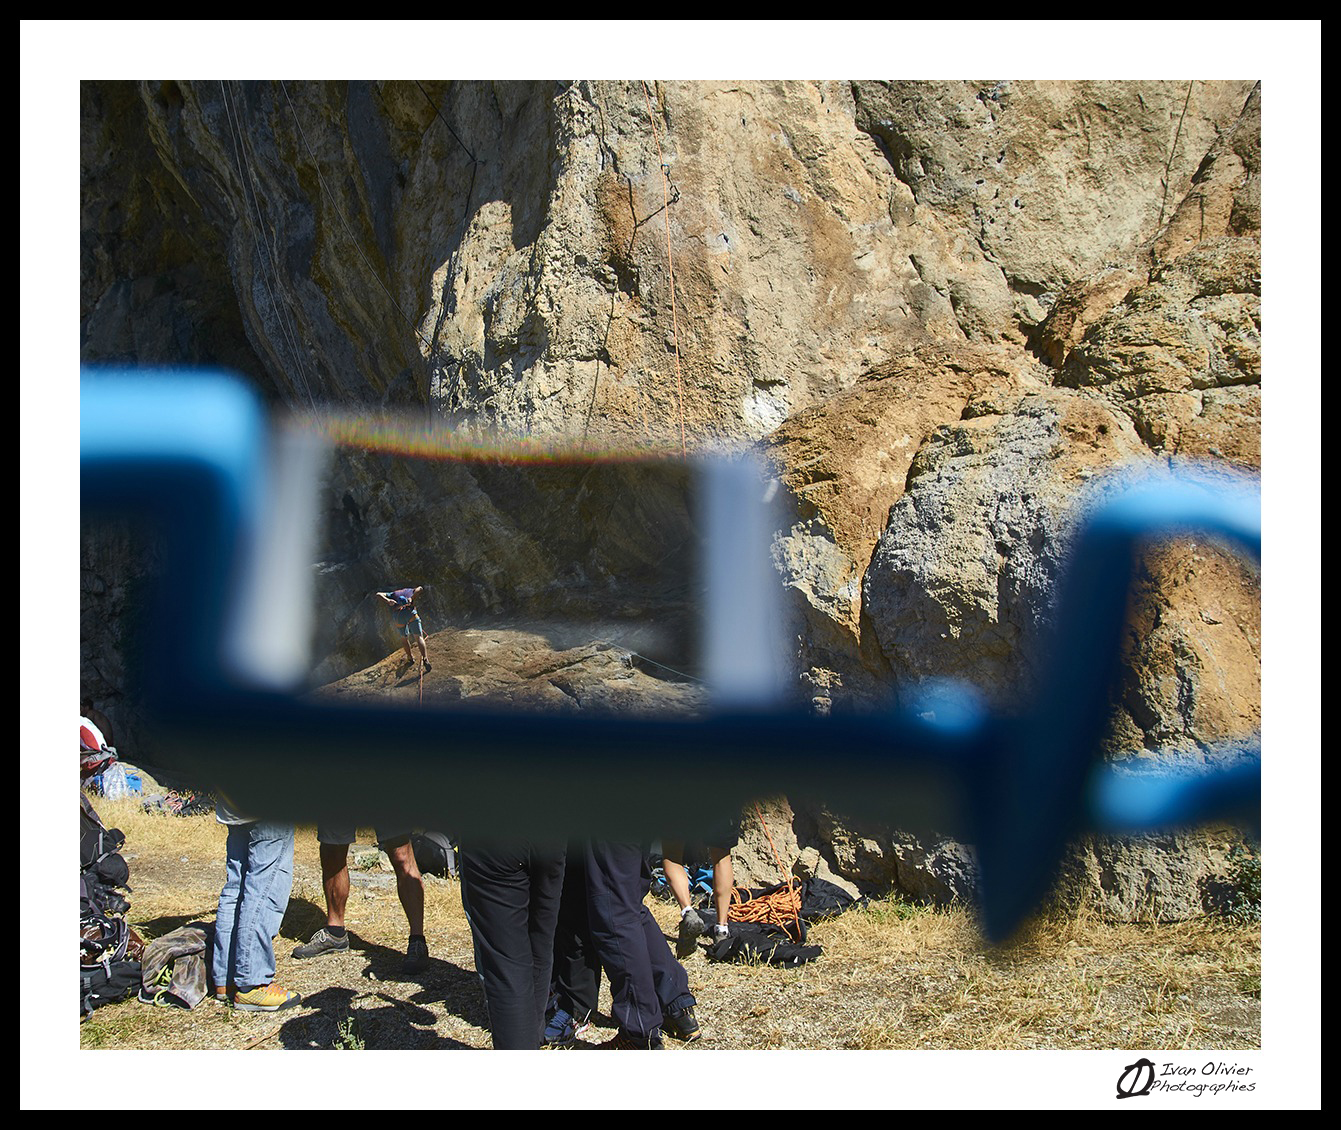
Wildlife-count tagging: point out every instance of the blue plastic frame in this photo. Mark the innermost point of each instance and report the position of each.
(188, 452)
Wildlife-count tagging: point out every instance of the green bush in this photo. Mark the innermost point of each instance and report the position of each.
(1245, 873)
(348, 1037)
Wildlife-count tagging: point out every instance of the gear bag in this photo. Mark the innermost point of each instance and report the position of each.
(435, 854)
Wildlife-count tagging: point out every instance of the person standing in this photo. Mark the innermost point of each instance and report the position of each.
(255, 893)
(577, 966)
(333, 849)
(510, 892)
(406, 618)
(648, 987)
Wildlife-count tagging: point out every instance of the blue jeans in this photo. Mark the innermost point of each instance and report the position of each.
(252, 903)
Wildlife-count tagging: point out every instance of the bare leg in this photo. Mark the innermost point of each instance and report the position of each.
(409, 885)
(677, 878)
(723, 881)
(335, 881)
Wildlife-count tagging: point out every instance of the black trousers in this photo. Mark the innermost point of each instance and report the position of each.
(511, 892)
(645, 978)
(577, 966)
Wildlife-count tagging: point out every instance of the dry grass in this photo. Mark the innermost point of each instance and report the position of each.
(892, 976)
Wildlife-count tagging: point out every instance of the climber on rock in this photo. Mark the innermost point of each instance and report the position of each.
(406, 618)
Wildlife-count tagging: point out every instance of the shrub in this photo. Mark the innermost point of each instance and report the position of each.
(1245, 873)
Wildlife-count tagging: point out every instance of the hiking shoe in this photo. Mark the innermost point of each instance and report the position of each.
(416, 956)
(266, 998)
(625, 1040)
(682, 1024)
(691, 928)
(562, 1029)
(323, 941)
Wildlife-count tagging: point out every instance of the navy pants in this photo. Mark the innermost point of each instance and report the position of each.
(512, 896)
(577, 966)
(645, 978)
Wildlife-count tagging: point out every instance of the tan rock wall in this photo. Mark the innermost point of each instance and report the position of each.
(947, 308)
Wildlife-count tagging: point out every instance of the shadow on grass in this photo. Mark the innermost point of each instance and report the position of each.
(443, 982)
(302, 919)
(458, 990)
(334, 1017)
(166, 923)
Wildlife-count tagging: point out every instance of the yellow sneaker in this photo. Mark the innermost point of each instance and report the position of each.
(265, 998)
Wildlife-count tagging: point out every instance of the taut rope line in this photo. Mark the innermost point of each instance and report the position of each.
(670, 270)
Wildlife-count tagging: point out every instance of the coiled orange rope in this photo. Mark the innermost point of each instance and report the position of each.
(780, 908)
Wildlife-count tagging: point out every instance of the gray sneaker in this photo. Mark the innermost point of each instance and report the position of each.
(323, 941)
(416, 956)
(691, 929)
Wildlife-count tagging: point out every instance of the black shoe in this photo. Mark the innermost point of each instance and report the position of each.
(427, 666)
(625, 1040)
(682, 1024)
(416, 956)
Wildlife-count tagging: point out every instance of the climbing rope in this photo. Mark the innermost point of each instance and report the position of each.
(670, 269)
(449, 396)
(339, 215)
(1173, 150)
(269, 256)
(778, 908)
(610, 641)
(767, 835)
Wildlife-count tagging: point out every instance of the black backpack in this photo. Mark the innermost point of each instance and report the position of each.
(435, 854)
(100, 847)
(106, 984)
(103, 937)
(109, 969)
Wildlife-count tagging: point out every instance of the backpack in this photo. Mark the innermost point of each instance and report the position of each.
(434, 853)
(100, 847)
(109, 948)
(106, 984)
(103, 937)
(109, 952)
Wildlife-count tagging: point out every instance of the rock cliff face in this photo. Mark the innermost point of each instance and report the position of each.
(942, 309)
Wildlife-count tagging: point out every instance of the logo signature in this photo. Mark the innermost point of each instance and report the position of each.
(1136, 1079)
(1213, 1078)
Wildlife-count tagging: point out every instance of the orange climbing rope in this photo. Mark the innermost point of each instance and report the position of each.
(670, 269)
(779, 908)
